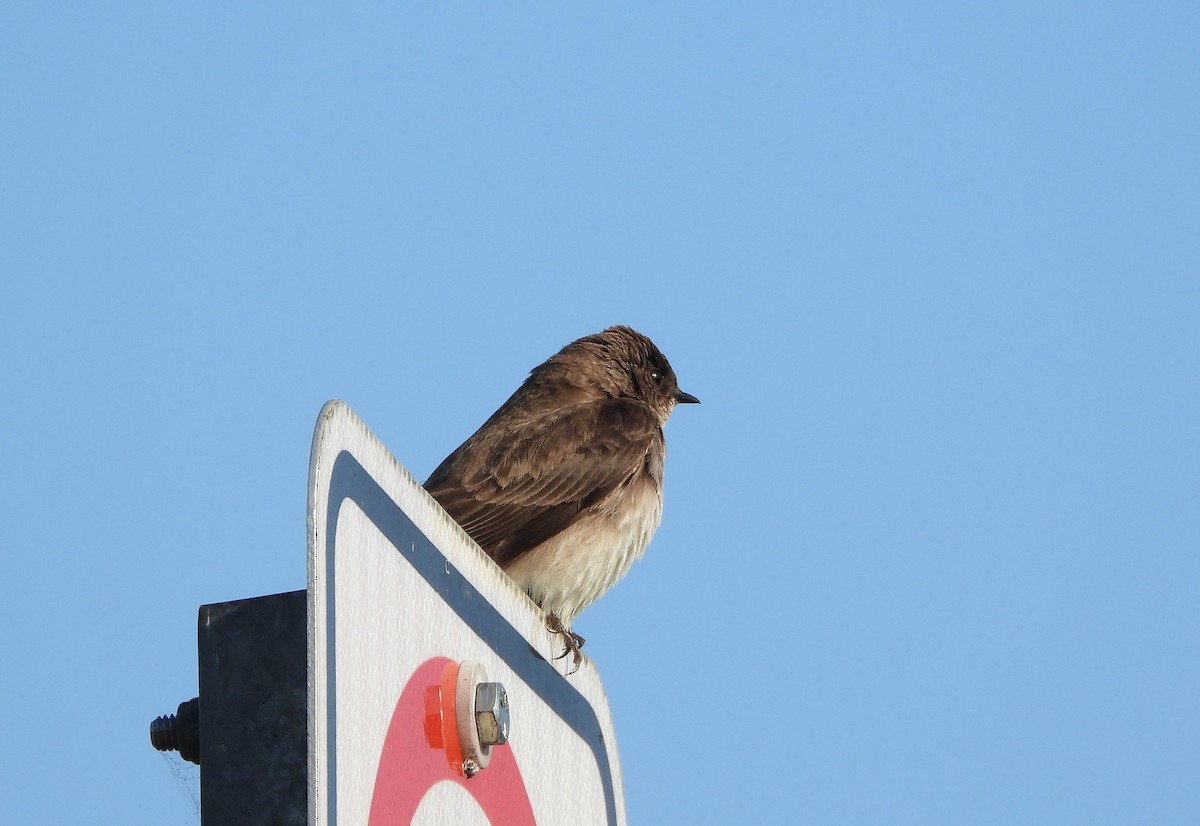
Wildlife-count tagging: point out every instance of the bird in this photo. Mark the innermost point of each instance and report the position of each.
(563, 485)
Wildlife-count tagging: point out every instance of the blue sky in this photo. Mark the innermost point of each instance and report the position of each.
(931, 548)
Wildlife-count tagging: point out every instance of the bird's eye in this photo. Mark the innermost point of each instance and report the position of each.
(656, 375)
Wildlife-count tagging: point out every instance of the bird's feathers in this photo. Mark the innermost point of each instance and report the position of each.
(511, 487)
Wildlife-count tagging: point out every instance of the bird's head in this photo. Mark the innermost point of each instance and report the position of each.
(622, 363)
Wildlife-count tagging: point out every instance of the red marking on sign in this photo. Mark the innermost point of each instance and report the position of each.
(410, 765)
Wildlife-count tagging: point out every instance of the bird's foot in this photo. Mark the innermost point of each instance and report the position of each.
(571, 640)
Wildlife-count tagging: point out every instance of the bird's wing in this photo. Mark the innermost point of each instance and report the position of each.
(514, 485)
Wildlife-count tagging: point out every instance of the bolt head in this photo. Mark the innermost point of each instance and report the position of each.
(491, 714)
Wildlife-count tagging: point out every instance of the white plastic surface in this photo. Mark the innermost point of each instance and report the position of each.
(379, 611)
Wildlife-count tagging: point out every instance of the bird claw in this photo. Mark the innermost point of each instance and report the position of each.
(572, 641)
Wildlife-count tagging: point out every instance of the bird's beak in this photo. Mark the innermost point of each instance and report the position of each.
(686, 398)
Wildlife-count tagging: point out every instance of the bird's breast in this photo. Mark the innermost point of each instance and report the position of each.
(569, 571)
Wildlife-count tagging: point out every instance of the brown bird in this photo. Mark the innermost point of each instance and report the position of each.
(562, 486)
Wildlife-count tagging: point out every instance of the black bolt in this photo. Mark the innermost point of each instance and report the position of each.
(179, 731)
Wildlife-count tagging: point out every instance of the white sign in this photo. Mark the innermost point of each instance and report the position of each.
(402, 606)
